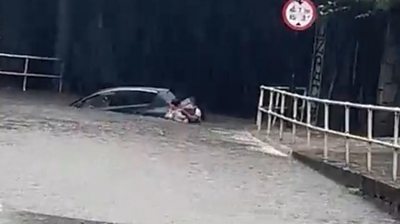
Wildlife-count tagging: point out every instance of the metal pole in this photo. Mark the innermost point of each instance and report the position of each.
(271, 104)
(25, 73)
(369, 153)
(281, 120)
(396, 143)
(277, 100)
(326, 106)
(260, 113)
(60, 83)
(308, 122)
(347, 131)
(295, 103)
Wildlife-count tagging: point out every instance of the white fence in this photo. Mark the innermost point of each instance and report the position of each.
(25, 73)
(284, 95)
(276, 104)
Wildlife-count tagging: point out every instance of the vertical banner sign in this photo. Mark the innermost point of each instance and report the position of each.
(314, 89)
(299, 15)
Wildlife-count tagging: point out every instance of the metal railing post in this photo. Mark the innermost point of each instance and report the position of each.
(347, 132)
(25, 74)
(283, 114)
(370, 131)
(295, 104)
(308, 122)
(396, 144)
(60, 85)
(270, 107)
(326, 127)
(277, 101)
(260, 113)
(60, 82)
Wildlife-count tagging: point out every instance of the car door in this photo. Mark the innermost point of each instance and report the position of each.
(133, 102)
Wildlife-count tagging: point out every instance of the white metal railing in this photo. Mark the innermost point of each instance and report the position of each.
(301, 106)
(25, 73)
(294, 97)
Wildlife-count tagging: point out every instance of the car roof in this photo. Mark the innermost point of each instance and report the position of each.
(127, 88)
(158, 91)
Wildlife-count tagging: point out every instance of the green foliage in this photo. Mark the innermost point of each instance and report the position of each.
(364, 8)
(382, 5)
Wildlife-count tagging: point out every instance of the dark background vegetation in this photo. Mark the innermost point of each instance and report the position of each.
(219, 51)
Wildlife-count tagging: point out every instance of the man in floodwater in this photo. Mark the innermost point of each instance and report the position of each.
(192, 112)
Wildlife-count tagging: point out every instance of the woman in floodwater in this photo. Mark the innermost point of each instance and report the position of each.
(175, 112)
(185, 112)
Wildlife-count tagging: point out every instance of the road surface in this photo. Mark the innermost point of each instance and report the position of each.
(74, 165)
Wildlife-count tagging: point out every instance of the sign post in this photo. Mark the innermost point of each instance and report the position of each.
(299, 15)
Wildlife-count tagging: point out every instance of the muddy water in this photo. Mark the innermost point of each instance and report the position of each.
(102, 166)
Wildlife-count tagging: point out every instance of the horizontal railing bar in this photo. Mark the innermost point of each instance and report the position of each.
(332, 102)
(355, 137)
(297, 89)
(28, 57)
(288, 88)
(30, 75)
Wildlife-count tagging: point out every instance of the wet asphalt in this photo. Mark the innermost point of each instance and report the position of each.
(62, 165)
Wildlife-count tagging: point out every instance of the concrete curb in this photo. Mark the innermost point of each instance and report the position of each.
(386, 197)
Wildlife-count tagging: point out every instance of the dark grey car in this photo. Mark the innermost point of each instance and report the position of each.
(132, 100)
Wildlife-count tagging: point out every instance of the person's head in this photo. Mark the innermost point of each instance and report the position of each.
(175, 102)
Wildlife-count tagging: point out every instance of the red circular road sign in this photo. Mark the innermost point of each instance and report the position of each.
(299, 15)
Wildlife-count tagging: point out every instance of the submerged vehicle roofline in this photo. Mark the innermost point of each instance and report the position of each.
(131, 88)
(124, 88)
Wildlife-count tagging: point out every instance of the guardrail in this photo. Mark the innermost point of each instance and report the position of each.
(301, 107)
(25, 73)
(294, 98)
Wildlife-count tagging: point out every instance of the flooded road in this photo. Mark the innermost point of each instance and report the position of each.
(89, 165)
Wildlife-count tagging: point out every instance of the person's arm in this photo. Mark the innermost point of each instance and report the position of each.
(198, 113)
(191, 116)
(186, 113)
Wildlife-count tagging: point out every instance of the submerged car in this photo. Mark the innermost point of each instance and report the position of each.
(146, 101)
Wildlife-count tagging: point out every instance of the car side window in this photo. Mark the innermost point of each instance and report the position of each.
(98, 101)
(146, 97)
(131, 98)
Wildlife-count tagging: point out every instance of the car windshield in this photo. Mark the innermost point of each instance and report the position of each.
(168, 96)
